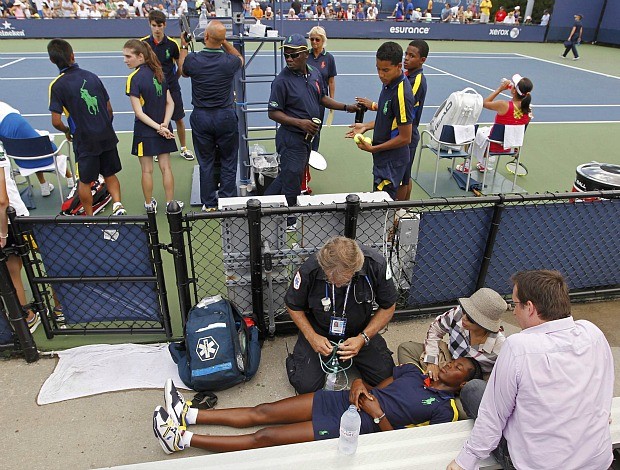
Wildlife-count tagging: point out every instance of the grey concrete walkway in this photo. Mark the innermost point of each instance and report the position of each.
(115, 428)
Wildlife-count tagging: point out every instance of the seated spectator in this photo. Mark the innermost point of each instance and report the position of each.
(359, 12)
(18, 10)
(320, 12)
(500, 15)
(517, 14)
(446, 14)
(544, 21)
(428, 17)
(460, 15)
(408, 398)
(269, 13)
(372, 12)
(291, 15)
(47, 12)
(473, 328)
(139, 8)
(257, 12)
(528, 20)
(94, 14)
(510, 19)
(121, 11)
(82, 12)
(309, 13)
(416, 15)
(468, 15)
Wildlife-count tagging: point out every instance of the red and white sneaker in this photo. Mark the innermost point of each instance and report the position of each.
(480, 167)
(462, 168)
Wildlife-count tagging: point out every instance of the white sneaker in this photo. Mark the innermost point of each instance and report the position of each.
(152, 205)
(46, 189)
(187, 153)
(576, 58)
(118, 209)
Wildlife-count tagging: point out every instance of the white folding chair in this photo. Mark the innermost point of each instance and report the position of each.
(496, 136)
(37, 154)
(444, 147)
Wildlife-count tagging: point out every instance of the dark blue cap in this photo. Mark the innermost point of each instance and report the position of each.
(295, 41)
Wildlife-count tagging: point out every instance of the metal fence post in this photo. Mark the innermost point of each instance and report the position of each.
(175, 222)
(256, 264)
(15, 314)
(350, 216)
(159, 270)
(488, 249)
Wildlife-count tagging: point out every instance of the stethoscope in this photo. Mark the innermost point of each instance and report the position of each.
(331, 303)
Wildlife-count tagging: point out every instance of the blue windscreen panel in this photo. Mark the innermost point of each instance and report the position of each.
(99, 250)
(449, 254)
(580, 240)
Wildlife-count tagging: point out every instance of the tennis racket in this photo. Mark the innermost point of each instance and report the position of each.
(186, 31)
(516, 168)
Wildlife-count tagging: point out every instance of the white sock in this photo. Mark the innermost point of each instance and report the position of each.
(186, 438)
(191, 416)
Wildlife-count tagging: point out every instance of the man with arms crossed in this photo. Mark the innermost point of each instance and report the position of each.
(548, 400)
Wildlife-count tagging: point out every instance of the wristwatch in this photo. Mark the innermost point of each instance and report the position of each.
(378, 420)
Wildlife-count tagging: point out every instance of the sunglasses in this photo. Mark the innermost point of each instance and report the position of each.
(316, 39)
(291, 55)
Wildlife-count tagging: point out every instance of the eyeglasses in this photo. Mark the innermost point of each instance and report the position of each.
(316, 39)
(291, 55)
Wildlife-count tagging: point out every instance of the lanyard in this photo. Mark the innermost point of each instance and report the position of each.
(346, 298)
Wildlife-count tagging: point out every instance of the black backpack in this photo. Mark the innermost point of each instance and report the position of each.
(221, 347)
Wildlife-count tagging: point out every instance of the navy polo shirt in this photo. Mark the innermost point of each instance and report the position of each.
(81, 96)
(212, 72)
(395, 107)
(297, 95)
(325, 64)
(143, 85)
(167, 51)
(417, 80)
(408, 402)
(369, 283)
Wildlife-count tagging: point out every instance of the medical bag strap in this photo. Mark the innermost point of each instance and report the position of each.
(204, 400)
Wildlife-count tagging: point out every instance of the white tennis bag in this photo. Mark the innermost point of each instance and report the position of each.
(462, 108)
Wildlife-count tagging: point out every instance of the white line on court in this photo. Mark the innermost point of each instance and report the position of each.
(570, 66)
(11, 63)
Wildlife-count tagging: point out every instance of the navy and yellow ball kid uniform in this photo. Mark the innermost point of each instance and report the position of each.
(326, 65)
(167, 51)
(82, 98)
(406, 402)
(417, 81)
(395, 107)
(143, 85)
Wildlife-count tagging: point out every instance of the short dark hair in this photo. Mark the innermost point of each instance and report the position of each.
(421, 45)
(390, 51)
(476, 372)
(547, 290)
(60, 52)
(157, 16)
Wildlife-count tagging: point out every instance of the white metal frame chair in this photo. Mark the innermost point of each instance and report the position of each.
(496, 136)
(37, 154)
(444, 147)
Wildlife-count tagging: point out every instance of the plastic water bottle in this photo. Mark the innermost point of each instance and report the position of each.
(330, 381)
(349, 431)
(491, 162)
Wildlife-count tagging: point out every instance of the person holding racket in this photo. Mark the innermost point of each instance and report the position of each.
(517, 111)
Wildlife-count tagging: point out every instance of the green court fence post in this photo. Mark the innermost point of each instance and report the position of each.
(175, 222)
(15, 313)
(488, 249)
(159, 270)
(256, 264)
(350, 216)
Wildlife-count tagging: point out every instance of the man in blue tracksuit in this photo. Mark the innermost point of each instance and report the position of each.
(297, 94)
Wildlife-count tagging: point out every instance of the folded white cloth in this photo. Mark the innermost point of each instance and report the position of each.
(480, 143)
(513, 136)
(100, 368)
(464, 133)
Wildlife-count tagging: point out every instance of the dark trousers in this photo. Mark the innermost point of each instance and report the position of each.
(471, 396)
(572, 47)
(294, 155)
(211, 127)
(374, 363)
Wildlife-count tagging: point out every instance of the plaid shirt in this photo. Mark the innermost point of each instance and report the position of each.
(459, 344)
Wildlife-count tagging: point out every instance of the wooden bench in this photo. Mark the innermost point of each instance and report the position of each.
(423, 448)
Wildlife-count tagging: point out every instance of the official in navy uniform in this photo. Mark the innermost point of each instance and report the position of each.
(331, 300)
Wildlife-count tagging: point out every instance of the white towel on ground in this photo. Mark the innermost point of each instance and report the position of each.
(464, 133)
(100, 368)
(513, 136)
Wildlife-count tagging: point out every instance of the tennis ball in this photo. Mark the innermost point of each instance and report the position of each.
(358, 138)
(368, 140)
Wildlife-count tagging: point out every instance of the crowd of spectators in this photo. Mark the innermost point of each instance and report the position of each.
(92, 9)
(351, 10)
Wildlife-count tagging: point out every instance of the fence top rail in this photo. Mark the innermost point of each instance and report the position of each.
(83, 219)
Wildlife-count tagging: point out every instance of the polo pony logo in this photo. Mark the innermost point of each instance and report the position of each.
(158, 87)
(91, 101)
